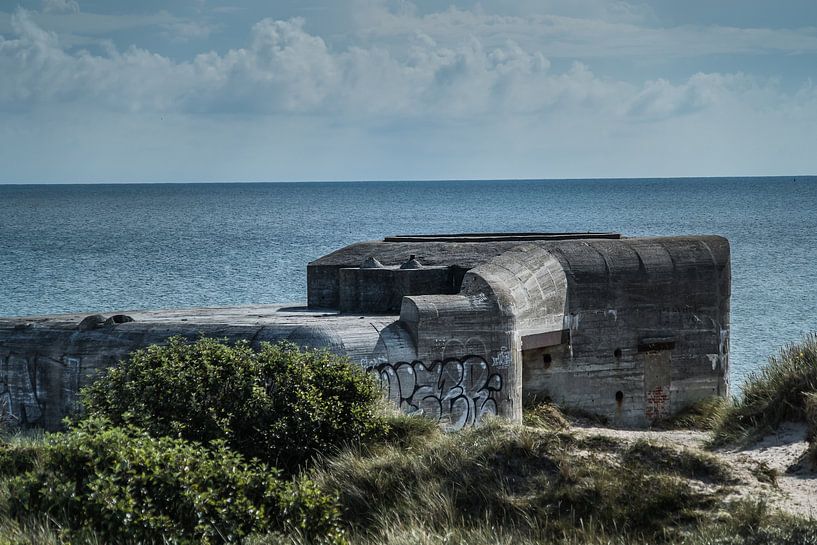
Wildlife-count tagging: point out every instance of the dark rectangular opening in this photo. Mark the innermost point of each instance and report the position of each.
(545, 339)
(656, 346)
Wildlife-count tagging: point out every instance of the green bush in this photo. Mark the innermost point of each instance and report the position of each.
(125, 486)
(280, 405)
(776, 394)
(16, 459)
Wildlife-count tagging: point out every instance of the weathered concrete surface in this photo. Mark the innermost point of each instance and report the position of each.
(44, 360)
(457, 252)
(648, 323)
(382, 289)
(630, 329)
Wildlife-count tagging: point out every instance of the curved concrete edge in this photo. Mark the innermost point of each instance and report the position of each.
(521, 292)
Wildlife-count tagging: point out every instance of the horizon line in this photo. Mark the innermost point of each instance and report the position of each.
(403, 180)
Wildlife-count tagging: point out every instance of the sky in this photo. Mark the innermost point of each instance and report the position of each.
(288, 90)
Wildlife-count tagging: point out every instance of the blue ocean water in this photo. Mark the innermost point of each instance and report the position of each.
(66, 248)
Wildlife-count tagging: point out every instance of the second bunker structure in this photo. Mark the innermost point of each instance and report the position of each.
(631, 329)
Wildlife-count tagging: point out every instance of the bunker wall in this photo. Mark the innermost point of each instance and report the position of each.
(648, 329)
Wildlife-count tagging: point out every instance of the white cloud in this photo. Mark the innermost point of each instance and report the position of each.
(85, 27)
(60, 6)
(40, 71)
(463, 93)
(606, 10)
(283, 68)
(660, 98)
(584, 30)
(185, 31)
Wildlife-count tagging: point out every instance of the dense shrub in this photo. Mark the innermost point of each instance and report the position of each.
(779, 392)
(280, 404)
(16, 459)
(128, 487)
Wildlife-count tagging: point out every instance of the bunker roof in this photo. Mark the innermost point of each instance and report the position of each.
(465, 250)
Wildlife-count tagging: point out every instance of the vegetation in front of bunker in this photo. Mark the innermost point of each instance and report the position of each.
(280, 405)
(114, 481)
(705, 415)
(536, 484)
(784, 390)
(121, 485)
(200, 441)
(502, 483)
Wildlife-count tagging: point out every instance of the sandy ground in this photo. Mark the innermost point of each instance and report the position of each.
(794, 490)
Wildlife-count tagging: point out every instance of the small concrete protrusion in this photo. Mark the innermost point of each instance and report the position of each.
(371, 263)
(412, 263)
(117, 319)
(91, 322)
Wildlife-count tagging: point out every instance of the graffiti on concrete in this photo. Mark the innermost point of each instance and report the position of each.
(503, 359)
(27, 381)
(6, 414)
(19, 381)
(457, 392)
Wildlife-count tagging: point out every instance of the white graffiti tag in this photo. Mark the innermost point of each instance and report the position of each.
(457, 392)
(503, 359)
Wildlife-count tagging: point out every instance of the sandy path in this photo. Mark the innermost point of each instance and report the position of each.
(795, 488)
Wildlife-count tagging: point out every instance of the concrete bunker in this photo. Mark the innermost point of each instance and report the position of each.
(631, 329)
(457, 326)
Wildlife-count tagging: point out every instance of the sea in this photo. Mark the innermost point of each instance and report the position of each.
(104, 247)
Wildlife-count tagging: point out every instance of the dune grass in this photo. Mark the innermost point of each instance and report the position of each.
(541, 484)
(705, 415)
(784, 390)
(520, 480)
(545, 415)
